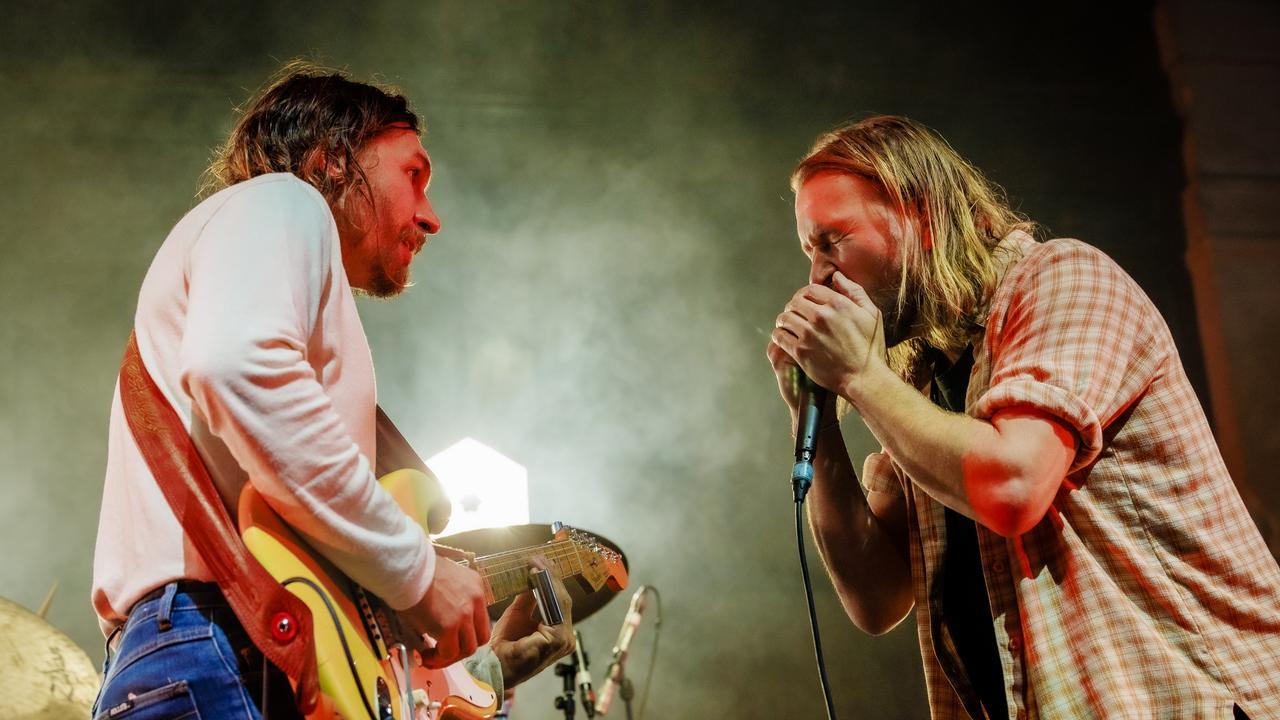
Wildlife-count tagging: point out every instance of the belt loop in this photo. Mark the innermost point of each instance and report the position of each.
(108, 647)
(166, 606)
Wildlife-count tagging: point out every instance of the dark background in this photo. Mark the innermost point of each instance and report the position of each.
(618, 237)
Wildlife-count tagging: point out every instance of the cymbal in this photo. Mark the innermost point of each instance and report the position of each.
(488, 541)
(43, 674)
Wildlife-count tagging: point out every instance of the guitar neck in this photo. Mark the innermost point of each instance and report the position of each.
(506, 574)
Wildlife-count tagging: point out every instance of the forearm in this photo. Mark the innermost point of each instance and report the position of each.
(927, 442)
(987, 471)
(281, 428)
(865, 554)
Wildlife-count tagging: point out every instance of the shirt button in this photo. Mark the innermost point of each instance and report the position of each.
(998, 566)
(1015, 644)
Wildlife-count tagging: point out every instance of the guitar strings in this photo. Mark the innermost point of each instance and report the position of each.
(519, 558)
(520, 563)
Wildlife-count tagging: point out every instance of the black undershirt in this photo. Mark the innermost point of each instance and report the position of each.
(965, 609)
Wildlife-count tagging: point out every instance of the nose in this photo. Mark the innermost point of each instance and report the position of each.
(820, 270)
(425, 216)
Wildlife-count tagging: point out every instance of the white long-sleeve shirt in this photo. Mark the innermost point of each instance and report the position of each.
(246, 322)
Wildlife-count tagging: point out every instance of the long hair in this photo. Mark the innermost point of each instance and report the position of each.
(954, 218)
(310, 121)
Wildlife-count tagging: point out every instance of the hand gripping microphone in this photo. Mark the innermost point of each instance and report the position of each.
(625, 635)
(812, 398)
(586, 693)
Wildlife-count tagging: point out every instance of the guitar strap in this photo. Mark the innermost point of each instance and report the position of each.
(277, 621)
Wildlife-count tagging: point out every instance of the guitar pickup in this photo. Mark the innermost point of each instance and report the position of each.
(544, 593)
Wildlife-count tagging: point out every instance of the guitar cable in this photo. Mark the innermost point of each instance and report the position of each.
(337, 624)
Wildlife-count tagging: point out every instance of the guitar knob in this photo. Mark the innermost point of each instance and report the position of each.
(283, 627)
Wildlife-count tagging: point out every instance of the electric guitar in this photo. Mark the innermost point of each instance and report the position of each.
(367, 670)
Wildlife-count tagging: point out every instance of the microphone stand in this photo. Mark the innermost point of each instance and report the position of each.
(567, 669)
(626, 690)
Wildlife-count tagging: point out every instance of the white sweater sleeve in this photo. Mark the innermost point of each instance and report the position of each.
(258, 275)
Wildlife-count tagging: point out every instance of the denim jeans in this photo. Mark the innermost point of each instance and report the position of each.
(183, 654)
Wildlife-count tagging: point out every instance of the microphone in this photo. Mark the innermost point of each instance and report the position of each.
(586, 693)
(812, 398)
(620, 650)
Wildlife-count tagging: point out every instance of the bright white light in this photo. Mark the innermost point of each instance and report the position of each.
(487, 488)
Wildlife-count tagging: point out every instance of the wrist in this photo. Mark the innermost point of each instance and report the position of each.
(860, 389)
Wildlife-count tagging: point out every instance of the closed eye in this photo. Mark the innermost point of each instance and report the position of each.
(827, 245)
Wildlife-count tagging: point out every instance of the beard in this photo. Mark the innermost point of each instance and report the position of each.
(383, 286)
(388, 277)
(373, 249)
(899, 321)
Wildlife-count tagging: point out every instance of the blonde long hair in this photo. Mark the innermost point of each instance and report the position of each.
(954, 218)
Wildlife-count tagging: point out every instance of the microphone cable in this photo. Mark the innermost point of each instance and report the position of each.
(812, 397)
(653, 655)
(813, 614)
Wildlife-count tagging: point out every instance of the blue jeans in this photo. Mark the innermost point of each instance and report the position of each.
(183, 654)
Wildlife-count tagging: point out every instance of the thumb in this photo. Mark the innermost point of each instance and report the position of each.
(852, 290)
(524, 602)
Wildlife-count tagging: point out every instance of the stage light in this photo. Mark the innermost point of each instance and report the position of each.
(487, 488)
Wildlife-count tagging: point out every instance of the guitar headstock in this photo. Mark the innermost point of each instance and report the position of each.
(601, 564)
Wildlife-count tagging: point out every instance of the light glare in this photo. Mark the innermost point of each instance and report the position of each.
(487, 488)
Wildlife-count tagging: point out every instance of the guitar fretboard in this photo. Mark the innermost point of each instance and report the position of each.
(506, 574)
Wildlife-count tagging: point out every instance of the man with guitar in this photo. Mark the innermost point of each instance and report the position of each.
(1049, 497)
(247, 338)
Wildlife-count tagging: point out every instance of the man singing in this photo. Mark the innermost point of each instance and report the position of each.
(1048, 494)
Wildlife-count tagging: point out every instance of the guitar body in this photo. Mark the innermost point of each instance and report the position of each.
(352, 656)
(365, 671)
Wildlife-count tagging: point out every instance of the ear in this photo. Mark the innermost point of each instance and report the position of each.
(336, 169)
(317, 163)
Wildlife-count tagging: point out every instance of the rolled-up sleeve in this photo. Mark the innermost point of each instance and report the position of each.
(881, 475)
(1070, 334)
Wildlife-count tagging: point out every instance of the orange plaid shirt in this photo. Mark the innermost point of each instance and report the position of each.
(1146, 591)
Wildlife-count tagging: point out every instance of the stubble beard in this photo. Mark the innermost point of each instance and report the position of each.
(357, 225)
(897, 321)
(382, 284)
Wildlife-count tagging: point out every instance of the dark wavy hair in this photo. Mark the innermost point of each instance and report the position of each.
(310, 121)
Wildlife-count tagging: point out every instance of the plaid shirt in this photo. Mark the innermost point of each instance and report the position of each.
(1146, 591)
